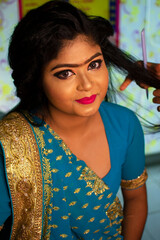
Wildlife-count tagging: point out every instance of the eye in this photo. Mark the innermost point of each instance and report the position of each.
(64, 74)
(95, 64)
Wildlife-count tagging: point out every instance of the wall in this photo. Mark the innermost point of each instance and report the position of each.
(134, 16)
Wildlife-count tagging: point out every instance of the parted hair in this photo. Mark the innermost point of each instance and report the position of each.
(41, 34)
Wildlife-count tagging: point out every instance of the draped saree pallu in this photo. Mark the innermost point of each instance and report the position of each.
(24, 176)
(77, 203)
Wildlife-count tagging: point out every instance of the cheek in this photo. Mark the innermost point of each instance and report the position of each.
(104, 80)
(61, 92)
(49, 91)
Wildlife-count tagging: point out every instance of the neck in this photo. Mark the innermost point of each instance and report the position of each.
(70, 125)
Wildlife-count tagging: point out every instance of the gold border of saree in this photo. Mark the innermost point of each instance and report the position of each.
(23, 169)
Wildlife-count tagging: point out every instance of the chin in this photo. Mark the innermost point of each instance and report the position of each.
(89, 112)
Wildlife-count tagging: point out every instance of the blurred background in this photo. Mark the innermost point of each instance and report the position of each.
(128, 18)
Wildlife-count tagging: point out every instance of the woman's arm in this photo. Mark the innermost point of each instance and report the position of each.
(134, 176)
(135, 213)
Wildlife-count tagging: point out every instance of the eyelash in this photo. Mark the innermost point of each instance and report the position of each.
(99, 61)
(62, 74)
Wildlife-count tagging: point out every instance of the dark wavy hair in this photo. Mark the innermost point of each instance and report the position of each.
(40, 35)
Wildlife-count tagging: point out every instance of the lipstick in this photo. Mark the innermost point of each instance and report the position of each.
(87, 100)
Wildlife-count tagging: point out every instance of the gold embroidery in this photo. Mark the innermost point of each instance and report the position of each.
(79, 168)
(107, 227)
(91, 220)
(40, 134)
(64, 199)
(24, 175)
(85, 205)
(87, 231)
(114, 222)
(89, 193)
(48, 194)
(56, 189)
(47, 151)
(68, 174)
(110, 195)
(115, 235)
(59, 158)
(93, 181)
(64, 235)
(72, 203)
(106, 206)
(106, 232)
(64, 217)
(55, 135)
(96, 231)
(77, 190)
(102, 221)
(119, 230)
(114, 211)
(54, 170)
(118, 222)
(100, 197)
(49, 211)
(135, 183)
(97, 207)
(65, 187)
(65, 148)
(74, 227)
(50, 140)
(56, 208)
(101, 238)
(61, 143)
(53, 226)
(79, 218)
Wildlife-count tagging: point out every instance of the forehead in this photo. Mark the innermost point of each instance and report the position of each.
(77, 50)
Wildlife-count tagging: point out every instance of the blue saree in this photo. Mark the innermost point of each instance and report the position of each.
(77, 204)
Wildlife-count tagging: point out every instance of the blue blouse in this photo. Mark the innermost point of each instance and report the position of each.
(77, 204)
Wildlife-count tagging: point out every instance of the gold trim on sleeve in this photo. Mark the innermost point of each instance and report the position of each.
(24, 176)
(135, 183)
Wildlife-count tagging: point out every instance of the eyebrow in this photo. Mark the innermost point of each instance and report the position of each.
(77, 65)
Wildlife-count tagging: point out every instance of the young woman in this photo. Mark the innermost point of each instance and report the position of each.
(64, 150)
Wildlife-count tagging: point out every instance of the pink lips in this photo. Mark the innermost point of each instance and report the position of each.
(87, 100)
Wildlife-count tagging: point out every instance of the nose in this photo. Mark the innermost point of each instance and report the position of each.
(85, 82)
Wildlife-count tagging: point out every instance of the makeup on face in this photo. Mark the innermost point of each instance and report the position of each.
(87, 100)
(76, 81)
(68, 72)
(76, 65)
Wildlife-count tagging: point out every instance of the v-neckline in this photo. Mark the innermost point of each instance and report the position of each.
(57, 137)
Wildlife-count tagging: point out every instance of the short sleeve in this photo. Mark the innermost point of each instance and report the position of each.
(134, 174)
(5, 203)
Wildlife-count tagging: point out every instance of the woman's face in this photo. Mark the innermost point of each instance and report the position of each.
(76, 82)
